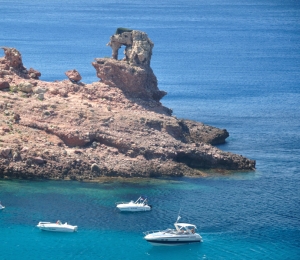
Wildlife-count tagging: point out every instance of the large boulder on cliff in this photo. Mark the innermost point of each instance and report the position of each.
(73, 75)
(134, 81)
(138, 49)
(133, 75)
(25, 87)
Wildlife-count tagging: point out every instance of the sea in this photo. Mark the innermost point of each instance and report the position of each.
(232, 64)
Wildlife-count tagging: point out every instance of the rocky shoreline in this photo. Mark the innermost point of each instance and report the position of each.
(116, 127)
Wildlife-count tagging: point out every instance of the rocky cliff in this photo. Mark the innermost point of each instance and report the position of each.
(115, 127)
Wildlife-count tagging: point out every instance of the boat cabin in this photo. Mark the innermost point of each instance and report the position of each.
(185, 228)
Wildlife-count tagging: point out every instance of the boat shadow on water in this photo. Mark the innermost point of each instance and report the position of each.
(174, 250)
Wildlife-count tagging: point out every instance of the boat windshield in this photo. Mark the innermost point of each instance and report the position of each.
(177, 232)
(185, 228)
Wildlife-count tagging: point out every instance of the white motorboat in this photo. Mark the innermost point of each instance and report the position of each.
(140, 204)
(183, 233)
(1, 206)
(56, 227)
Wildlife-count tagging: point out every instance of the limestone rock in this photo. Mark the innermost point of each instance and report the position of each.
(135, 81)
(34, 74)
(138, 49)
(4, 84)
(133, 74)
(12, 64)
(13, 58)
(38, 160)
(39, 90)
(40, 96)
(5, 152)
(25, 87)
(196, 132)
(73, 75)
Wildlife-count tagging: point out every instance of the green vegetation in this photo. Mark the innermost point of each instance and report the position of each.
(121, 30)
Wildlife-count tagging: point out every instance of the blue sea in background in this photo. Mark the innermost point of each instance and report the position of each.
(232, 64)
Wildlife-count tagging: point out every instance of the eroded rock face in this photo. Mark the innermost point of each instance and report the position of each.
(115, 127)
(12, 64)
(13, 58)
(134, 81)
(138, 49)
(133, 74)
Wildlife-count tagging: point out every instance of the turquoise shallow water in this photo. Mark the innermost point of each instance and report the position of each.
(237, 218)
(232, 64)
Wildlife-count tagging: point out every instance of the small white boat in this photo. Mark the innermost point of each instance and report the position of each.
(56, 227)
(140, 204)
(1, 206)
(183, 233)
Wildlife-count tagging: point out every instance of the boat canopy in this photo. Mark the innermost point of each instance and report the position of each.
(180, 226)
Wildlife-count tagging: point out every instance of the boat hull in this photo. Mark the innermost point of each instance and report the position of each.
(171, 243)
(53, 227)
(133, 208)
(161, 238)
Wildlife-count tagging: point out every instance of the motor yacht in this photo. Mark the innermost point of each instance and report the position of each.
(184, 233)
(1, 206)
(56, 227)
(141, 204)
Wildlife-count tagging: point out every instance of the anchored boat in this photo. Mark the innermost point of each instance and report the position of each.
(56, 227)
(184, 233)
(140, 204)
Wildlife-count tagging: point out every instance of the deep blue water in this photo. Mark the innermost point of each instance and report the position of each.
(230, 64)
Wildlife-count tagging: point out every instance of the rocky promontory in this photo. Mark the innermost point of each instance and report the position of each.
(114, 127)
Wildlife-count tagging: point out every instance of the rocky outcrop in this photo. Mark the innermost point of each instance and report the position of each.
(114, 127)
(12, 59)
(134, 81)
(133, 74)
(12, 64)
(138, 49)
(196, 132)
